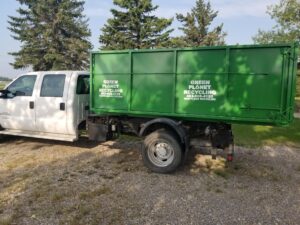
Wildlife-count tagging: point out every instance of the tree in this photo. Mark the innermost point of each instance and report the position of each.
(135, 27)
(287, 16)
(4, 79)
(196, 27)
(53, 34)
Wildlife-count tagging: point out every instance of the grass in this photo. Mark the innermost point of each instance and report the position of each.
(6, 219)
(206, 164)
(222, 172)
(94, 193)
(253, 136)
(3, 84)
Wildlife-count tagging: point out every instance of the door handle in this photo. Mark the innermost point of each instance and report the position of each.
(31, 105)
(62, 106)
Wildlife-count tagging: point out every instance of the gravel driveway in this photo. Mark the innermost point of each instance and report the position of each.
(49, 182)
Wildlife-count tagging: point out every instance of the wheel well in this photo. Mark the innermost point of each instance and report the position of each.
(179, 135)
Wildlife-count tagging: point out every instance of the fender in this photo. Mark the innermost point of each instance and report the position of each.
(174, 125)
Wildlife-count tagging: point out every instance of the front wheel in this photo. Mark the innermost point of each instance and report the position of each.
(161, 152)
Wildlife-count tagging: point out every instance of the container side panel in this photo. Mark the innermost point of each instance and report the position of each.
(255, 82)
(109, 63)
(111, 81)
(111, 91)
(256, 61)
(201, 82)
(153, 62)
(248, 84)
(254, 91)
(200, 94)
(201, 61)
(152, 93)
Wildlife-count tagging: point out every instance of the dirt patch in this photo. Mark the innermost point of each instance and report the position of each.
(49, 182)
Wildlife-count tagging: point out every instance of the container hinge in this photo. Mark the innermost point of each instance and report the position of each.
(283, 116)
(274, 116)
(285, 51)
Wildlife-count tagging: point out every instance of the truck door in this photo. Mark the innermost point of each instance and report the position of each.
(82, 97)
(51, 110)
(78, 102)
(17, 109)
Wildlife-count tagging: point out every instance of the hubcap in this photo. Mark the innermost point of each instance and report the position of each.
(161, 154)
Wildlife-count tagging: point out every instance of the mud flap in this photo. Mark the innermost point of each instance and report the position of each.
(97, 132)
(222, 138)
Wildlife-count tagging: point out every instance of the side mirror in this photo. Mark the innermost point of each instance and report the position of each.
(19, 93)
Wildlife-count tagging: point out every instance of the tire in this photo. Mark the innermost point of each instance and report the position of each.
(161, 152)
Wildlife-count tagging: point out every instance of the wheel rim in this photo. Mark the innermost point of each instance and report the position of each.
(161, 154)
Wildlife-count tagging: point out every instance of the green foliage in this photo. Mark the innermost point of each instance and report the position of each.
(4, 81)
(2, 85)
(253, 136)
(196, 27)
(287, 16)
(135, 27)
(53, 34)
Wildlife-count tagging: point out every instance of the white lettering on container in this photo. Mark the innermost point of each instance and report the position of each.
(200, 90)
(111, 89)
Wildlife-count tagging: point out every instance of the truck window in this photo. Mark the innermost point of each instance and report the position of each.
(23, 86)
(83, 85)
(53, 85)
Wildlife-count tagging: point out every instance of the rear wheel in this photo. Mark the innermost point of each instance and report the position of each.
(161, 152)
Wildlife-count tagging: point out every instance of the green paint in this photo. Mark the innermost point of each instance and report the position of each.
(235, 84)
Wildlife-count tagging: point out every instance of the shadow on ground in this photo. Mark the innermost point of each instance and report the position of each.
(54, 182)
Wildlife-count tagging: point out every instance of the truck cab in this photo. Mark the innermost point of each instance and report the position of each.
(50, 105)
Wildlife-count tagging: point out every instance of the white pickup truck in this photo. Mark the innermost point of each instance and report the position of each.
(51, 105)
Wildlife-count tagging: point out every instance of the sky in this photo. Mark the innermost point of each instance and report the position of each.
(241, 20)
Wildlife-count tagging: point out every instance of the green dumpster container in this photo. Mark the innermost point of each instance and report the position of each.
(252, 84)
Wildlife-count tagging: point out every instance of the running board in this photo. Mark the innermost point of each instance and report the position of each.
(51, 136)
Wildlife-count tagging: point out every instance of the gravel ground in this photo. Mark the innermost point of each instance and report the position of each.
(49, 182)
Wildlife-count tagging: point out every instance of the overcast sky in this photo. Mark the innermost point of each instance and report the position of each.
(241, 21)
